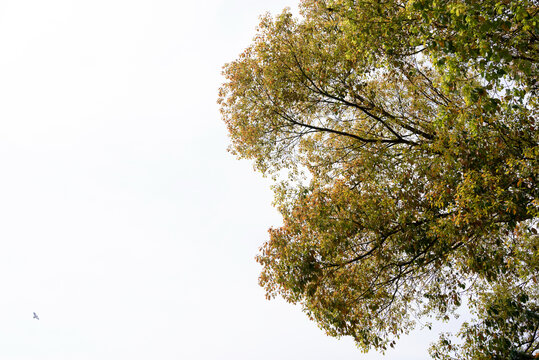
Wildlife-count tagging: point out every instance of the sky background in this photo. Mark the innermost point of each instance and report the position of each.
(124, 222)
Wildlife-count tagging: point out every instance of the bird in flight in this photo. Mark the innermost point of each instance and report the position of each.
(35, 316)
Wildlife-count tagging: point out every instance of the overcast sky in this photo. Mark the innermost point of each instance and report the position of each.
(124, 223)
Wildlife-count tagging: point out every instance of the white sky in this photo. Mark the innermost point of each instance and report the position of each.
(124, 223)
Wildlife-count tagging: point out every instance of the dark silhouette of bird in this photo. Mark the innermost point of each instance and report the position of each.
(35, 316)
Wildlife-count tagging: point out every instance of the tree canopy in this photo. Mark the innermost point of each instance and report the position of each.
(402, 137)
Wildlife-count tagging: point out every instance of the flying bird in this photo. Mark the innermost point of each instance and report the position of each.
(35, 316)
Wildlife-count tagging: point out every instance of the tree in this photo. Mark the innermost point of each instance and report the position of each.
(402, 137)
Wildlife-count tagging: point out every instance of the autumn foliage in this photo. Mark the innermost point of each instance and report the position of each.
(403, 139)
